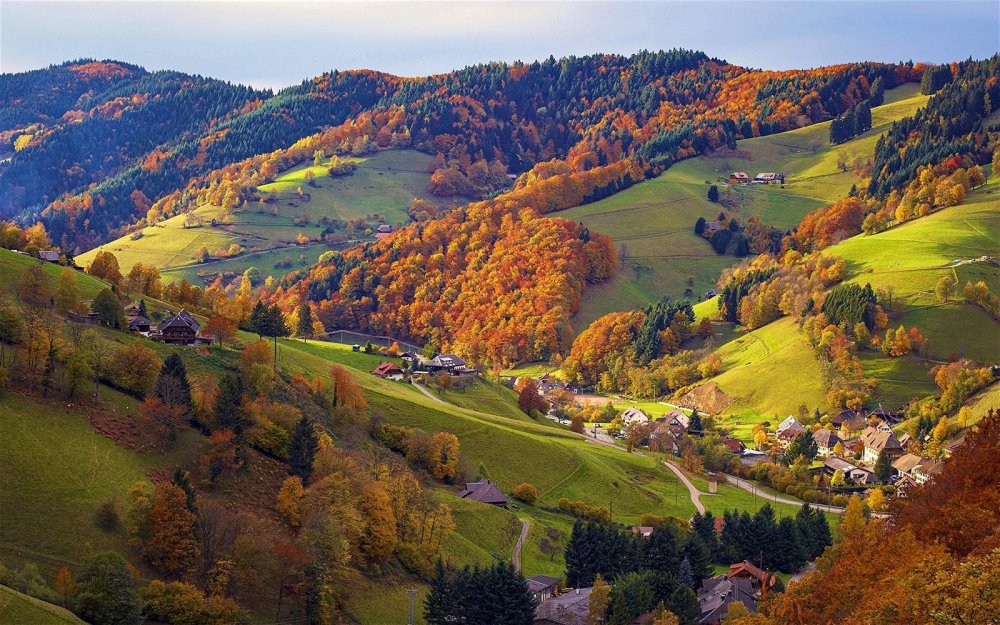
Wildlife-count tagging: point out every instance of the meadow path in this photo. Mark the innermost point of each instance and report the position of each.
(428, 393)
(516, 560)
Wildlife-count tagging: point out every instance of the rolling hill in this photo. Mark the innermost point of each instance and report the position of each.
(379, 191)
(21, 609)
(652, 223)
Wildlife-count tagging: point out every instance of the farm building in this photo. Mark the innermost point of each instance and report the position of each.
(181, 329)
(387, 370)
(739, 177)
(484, 492)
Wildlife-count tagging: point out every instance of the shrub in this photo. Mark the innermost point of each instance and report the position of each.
(526, 493)
(414, 560)
(107, 517)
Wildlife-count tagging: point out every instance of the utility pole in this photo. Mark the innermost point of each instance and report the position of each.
(413, 594)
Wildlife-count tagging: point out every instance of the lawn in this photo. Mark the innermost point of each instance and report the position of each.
(12, 265)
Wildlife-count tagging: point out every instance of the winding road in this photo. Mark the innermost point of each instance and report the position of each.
(516, 560)
(695, 493)
(423, 390)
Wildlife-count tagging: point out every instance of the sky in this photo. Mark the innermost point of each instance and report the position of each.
(274, 44)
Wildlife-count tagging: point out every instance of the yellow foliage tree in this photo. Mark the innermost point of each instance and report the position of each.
(289, 502)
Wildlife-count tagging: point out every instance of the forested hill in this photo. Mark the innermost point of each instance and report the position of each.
(130, 137)
(85, 123)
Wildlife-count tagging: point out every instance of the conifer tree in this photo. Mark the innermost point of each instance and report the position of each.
(302, 449)
(305, 325)
(229, 413)
(105, 591)
(883, 467)
(172, 386)
(695, 427)
(182, 480)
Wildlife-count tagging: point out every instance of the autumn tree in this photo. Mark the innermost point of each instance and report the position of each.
(443, 462)
(63, 583)
(599, 601)
(171, 546)
(134, 367)
(220, 328)
(347, 393)
(289, 501)
(529, 400)
(108, 309)
(526, 493)
(67, 295)
(105, 266)
(33, 288)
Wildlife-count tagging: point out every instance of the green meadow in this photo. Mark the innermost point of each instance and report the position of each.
(20, 609)
(652, 223)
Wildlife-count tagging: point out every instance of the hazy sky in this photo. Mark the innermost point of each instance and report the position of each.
(275, 44)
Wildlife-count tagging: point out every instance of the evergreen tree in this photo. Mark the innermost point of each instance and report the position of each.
(105, 593)
(684, 574)
(883, 467)
(142, 309)
(182, 480)
(684, 603)
(172, 386)
(631, 596)
(803, 445)
(790, 555)
(877, 97)
(256, 321)
(662, 550)
(820, 532)
(699, 226)
(863, 117)
(440, 605)
(305, 325)
(764, 538)
(713, 193)
(506, 594)
(699, 557)
(229, 412)
(302, 449)
(704, 526)
(695, 427)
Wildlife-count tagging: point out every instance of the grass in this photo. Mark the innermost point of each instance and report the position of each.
(12, 265)
(654, 220)
(484, 533)
(20, 609)
(384, 184)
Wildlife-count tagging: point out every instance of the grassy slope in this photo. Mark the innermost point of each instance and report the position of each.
(12, 265)
(20, 609)
(771, 371)
(655, 219)
(384, 184)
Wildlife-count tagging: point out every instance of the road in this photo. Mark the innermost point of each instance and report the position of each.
(428, 393)
(516, 560)
(808, 568)
(695, 493)
(750, 487)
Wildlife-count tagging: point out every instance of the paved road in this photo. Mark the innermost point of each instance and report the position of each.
(808, 568)
(751, 487)
(516, 560)
(695, 493)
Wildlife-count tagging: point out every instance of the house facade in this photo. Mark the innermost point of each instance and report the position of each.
(181, 329)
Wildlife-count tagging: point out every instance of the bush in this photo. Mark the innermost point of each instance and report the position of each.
(526, 493)
(107, 517)
(414, 560)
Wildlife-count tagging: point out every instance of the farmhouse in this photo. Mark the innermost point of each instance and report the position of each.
(739, 177)
(138, 323)
(769, 178)
(884, 414)
(923, 472)
(448, 363)
(484, 492)
(875, 441)
(826, 440)
(387, 370)
(542, 586)
(791, 424)
(735, 445)
(181, 329)
(51, 256)
(633, 415)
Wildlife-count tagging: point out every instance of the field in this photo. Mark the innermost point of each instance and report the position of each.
(12, 265)
(380, 190)
(19, 609)
(652, 222)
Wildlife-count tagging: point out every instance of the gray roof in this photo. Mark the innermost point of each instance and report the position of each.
(180, 320)
(446, 361)
(717, 593)
(569, 608)
(483, 492)
(538, 583)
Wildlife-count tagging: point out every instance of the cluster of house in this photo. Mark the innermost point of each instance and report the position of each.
(665, 431)
(179, 329)
(449, 364)
(769, 177)
(865, 435)
(743, 582)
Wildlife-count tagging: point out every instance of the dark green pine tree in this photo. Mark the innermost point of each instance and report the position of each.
(877, 97)
(229, 412)
(684, 603)
(302, 449)
(182, 480)
(440, 604)
(807, 537)
(505, 592)
(862, 117)
(579, 556)
(256, 318)
(305, 325)
(704, 526)
(802, 445)
(662, 550)
(142, 309)
(713, 193)
(105, 592)
(695, 427)
(631, 596)
(883, 467)
(272, 324)
(172, 386)
(820, 534)
(699, 556)
(790, 555)
(764, 538)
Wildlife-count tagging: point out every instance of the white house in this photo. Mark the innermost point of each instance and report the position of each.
(633, 415)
